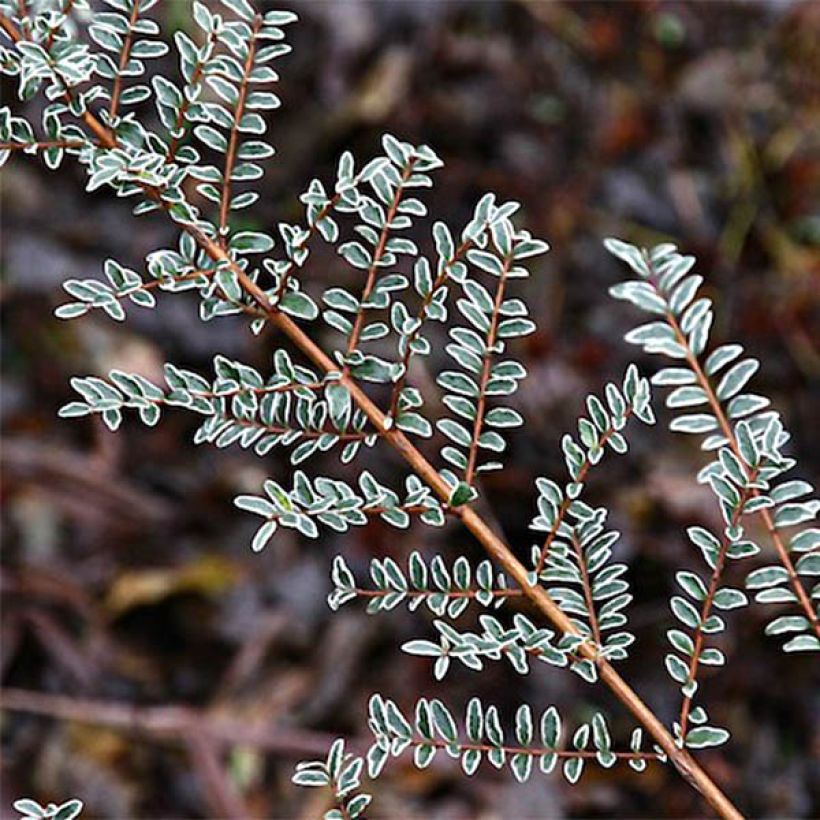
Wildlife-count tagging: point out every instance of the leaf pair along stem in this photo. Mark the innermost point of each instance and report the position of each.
(494, 545)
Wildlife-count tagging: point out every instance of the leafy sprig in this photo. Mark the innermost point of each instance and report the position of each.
(337, 505)
(518, 643)
(442, 589)
(715, 385)
(602, 428)
(590, 588)
(491, 321)
(433, 728)
(342, 772)
(214, 108)
(294, 406)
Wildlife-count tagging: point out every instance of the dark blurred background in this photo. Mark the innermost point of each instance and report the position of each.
(127, 577)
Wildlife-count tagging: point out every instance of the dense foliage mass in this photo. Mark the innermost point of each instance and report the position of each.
(206, 132)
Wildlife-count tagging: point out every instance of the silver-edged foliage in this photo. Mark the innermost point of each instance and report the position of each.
(293, 407)
(337, 505)
(534, 741)
(519, 643)
(444, 590)
(559, 505)
(207, 134)
(342, 773)
(478, 345)
(710, 398)
(589, 587)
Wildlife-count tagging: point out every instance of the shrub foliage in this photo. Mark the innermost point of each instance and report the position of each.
(191, 147)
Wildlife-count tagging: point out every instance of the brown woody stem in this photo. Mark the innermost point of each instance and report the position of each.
(420, 316)
(41, 146)
(565, 504)
(486, 369)
(372, 273)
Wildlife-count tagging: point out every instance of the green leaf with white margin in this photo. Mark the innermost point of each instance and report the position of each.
(705, 737)
(298, 304)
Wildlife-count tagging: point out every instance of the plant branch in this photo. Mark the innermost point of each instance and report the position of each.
(51, 35)
(708, 602)
(586, 754)
(420, 315)
(124, 55)
(717, 409)
(587, 587)
(230, 157)
(567, 502)
(486, 367)
(307, 434)
(42, 146)
(496, 547)
(183, 108)
(425, 593)
(288, 272)
(358, 324)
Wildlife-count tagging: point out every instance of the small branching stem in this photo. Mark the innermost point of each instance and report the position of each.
(42, 146)
(307, 434)
(286, 275)
(486, 369)
(765, 515)
(233, 145)
(565, 504)
(564, 754)
(410, 509)
(420, 315)
(586, 584)
(423, 593)
(125, 54)
(708, 602)
(53, 33)
(179, 125)
(372, 273)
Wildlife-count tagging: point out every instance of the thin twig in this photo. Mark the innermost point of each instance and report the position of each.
(358, 323)
(51, 35)
(274, 429)
(586, 584)
(183, 108)
(708, 603)
(486, 369)
(420, 315)
(124, 56)
(567, 502)
(43, 145)
(312, 229)
(424, 593)
(230, 157)
(568, 754)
